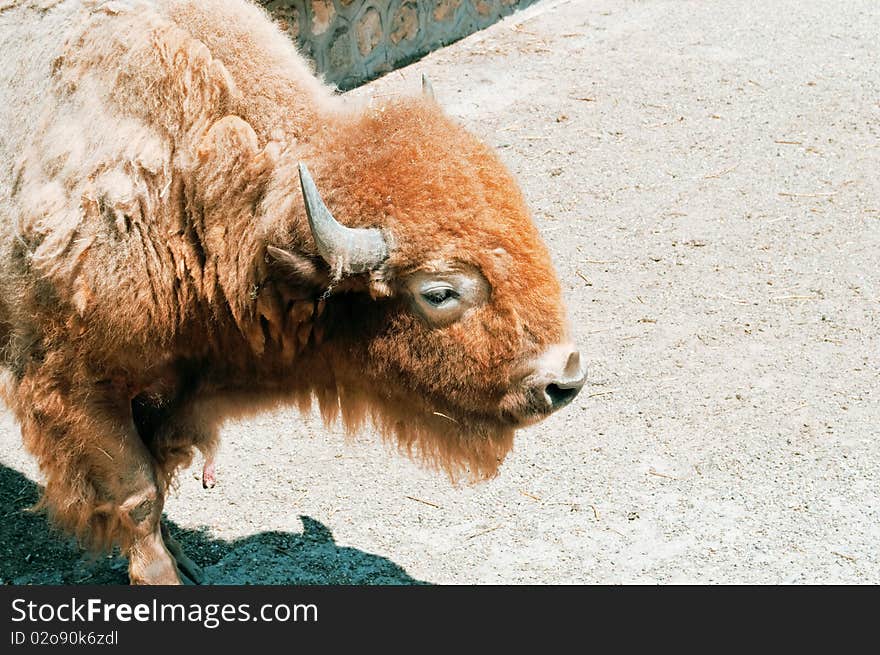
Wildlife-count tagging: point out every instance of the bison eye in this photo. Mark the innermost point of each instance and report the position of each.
(439, 296)
(444, 297)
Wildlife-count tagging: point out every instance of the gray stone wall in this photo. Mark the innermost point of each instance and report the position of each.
(352, 41)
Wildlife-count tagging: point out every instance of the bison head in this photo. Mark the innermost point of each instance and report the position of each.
(444, 321)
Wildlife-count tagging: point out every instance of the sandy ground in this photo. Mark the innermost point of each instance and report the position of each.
(706, 176)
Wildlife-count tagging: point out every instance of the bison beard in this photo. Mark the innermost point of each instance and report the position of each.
(167, 262)
(470, 447)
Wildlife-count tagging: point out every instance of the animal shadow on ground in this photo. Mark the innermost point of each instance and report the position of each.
(31, 552)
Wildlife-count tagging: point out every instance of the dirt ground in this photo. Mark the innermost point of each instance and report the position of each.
(706, 176)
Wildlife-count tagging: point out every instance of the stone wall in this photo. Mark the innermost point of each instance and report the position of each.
(352, 41)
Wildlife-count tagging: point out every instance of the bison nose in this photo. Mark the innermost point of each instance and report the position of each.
(563, 390)
(558, 376)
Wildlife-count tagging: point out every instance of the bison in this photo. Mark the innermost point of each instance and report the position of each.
(193, 226)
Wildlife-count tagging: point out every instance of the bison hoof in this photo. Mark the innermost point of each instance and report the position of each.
(190, 572)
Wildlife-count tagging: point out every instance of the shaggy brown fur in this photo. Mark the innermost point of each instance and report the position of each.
(139, 306)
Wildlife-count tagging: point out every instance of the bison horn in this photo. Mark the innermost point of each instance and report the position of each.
(347, 250)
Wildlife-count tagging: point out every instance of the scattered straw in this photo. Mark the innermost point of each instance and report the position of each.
(784, 298)
(720, 173)
(738, 301)
(480, 534)
(847, 557)
(424, 502)
(661, 475)
(444, 416)
(786, 194)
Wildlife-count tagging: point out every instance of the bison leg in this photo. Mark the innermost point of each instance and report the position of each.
(151, 563)
(102, 483)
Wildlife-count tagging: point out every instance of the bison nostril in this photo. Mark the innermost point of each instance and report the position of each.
(560, 394)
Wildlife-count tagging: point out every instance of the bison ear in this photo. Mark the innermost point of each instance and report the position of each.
(298, 268)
